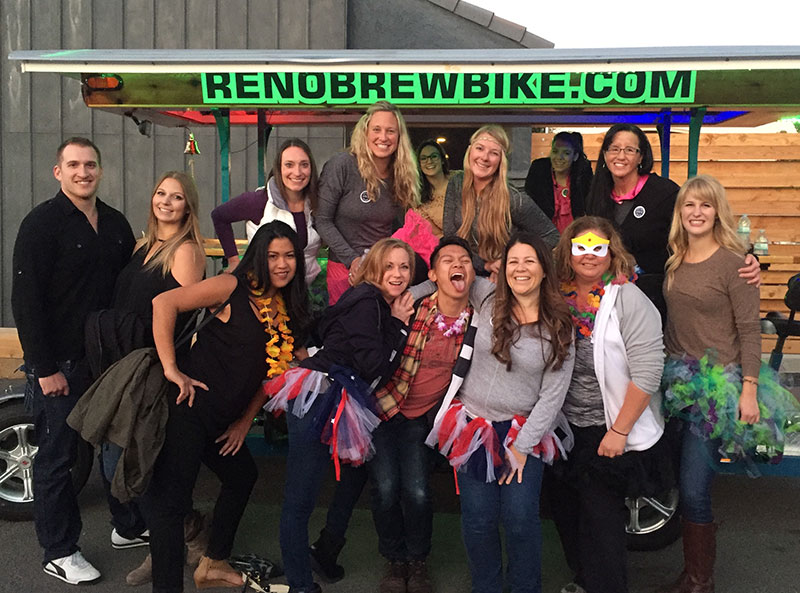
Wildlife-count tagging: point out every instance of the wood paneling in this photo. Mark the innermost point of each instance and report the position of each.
(761, 174)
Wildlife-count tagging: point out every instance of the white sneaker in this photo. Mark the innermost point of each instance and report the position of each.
(121, 543)
(573, 588)
(72, 569)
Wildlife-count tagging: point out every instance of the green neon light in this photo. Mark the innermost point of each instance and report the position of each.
(421, 88)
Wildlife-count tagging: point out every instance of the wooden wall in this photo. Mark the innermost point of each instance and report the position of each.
(761, 173)
(37, 111)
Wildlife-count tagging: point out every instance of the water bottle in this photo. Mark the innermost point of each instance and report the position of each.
(743, 230)
(761, 245)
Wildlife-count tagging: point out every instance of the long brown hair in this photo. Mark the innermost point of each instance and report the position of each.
(494, 217)
(189, 230)
(708, 189)
(311, 191)
(622, 262)
(555, 321)
(404, 173)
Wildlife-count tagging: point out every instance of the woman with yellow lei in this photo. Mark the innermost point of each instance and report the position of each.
(329, 402)
(253, 336)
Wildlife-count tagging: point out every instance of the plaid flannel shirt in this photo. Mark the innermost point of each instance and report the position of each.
(391, 396)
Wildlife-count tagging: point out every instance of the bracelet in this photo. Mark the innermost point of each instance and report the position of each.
(749, 380)
(622, 434)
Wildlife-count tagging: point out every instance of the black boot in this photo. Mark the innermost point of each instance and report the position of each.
(324, 553)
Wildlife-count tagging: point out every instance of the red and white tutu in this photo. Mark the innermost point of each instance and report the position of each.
(461, 437)
(344, 419)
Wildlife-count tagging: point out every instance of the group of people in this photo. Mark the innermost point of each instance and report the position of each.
(532, 358)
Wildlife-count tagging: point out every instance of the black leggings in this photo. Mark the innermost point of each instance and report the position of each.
(169, 497)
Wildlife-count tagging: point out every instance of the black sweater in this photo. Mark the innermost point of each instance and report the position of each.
(360, 333)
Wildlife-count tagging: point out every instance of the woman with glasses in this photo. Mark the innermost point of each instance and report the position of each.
(434, 174)
(559, 183)
(640, 204)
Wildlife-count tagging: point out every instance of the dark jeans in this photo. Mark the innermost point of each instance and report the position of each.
(484, 507)
(306, 467)
(168, 499)
(590, 520)
(699, 463)
(55, 505)
(401, 494)
(126, 517)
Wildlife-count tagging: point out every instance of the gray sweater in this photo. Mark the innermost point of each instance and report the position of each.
(347, 220)
(525, 216)
(529, 389)
(640, 327)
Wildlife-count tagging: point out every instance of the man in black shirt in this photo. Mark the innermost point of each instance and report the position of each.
(67, 256)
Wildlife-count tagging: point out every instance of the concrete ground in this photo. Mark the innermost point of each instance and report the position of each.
(759, 540)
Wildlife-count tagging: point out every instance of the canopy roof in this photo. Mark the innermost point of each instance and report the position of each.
(744, 86)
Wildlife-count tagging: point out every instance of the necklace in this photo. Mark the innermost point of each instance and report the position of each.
(583, 314)
(280, 346)
(455, 328)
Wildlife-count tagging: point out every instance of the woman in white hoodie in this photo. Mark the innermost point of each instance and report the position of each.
(289, 196)
(613, 405)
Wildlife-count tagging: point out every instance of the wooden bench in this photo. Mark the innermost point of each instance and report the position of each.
(10, 354)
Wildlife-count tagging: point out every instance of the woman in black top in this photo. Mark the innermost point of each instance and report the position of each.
(169, 255)
(559, 183)
(265, 302)
(640, 203)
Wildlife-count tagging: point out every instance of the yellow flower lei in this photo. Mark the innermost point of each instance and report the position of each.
(280, 346)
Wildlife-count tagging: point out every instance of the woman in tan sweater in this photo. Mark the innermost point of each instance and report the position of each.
(714, 378)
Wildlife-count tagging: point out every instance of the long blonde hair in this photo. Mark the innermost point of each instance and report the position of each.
(494, 217)
(707, 189)
(404, 174)
(189, 230)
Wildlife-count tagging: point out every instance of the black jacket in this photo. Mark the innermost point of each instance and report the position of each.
(359, 333)
(539, 185)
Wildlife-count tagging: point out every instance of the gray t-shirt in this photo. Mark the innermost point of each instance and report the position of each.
(346, 219)
(529, 389)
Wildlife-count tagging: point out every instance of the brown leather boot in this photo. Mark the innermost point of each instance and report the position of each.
(142, 574)
(216, 573)
(394, 578)
(195, 534)
(699, 554)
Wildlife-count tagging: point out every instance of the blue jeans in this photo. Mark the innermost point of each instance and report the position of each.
(484, 507)
(401, 495)
(55, 506)
(306, 468)
(126, 517)
(699, 465)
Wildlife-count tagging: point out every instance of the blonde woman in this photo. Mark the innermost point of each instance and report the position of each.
(361, 335)
(169, 255)
(731, 403)
(365, 191)
(482, 208)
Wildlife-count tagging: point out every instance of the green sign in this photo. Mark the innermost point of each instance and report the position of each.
(468, 89)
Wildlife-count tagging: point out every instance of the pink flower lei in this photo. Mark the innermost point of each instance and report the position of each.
(457, 327)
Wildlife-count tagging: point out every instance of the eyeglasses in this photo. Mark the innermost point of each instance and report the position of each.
(628, 150)
(434, 156)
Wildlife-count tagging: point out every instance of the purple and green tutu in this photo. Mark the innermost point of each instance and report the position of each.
(706, 395)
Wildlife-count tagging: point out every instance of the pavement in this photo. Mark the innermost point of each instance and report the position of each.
(758, 549)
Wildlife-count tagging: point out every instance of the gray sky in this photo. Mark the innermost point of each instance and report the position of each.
(591, 23)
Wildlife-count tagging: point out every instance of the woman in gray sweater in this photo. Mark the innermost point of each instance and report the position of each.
(496, 424)
(481, 207)
(613, 406)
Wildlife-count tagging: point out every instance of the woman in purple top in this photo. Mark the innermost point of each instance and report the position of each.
(289, 196)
